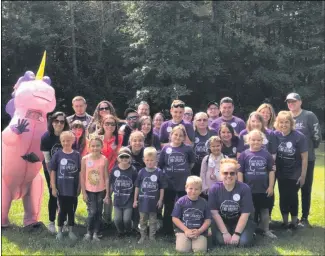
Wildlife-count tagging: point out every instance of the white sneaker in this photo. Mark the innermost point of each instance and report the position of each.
(51, 227)
(65, 227)
(270, 234)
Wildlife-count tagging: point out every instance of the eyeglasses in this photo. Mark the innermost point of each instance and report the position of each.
(124, 156)
(230, 173)
(59, 121)
(202, 120)
(104, 108)
(181, 105)
(188, 114)
(110, 124)
(133, 118)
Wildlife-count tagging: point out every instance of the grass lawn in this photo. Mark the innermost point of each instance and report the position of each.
(308, 241)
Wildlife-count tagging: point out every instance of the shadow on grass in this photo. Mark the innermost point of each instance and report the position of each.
(41, 241)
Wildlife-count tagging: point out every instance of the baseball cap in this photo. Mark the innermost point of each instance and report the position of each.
(293, 96)
(213, 103)
(124, 152)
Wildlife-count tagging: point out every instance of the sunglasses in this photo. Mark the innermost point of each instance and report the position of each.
(202, 120)
(133, 118)
(188, 114)
(124, 157)
(181, 105)
(230, 173)
(104, 108)
(59, 121)
(110, 124)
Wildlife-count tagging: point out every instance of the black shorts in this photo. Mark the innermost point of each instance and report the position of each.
(261, 201)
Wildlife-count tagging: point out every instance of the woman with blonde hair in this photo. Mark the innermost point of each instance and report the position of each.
(268, 113)
(291, 166)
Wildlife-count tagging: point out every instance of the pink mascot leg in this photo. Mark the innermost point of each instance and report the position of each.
(6, 198)
(33, 201)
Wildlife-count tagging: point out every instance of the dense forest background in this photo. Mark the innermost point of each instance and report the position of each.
(198, 51)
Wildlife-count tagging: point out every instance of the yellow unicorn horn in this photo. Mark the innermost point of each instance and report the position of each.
(40, 72)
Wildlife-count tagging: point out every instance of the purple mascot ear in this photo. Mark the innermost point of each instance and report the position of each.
(29, 75)
(47, 80)
(10, 107)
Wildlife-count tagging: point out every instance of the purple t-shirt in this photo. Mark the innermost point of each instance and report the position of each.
(122, 183)
(237, 123)
(175, 163)
(191, 213)
(149, 184)
(269, 143)
(288, 157)
(231, 204)
(200, 148)
(67, 168)
(167, 127)
(255, 167)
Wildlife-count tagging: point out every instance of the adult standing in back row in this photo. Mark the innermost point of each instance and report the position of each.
(227, 109)
(79, 106)
(308, 124)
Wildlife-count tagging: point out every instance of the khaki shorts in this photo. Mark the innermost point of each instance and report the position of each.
(185, 244)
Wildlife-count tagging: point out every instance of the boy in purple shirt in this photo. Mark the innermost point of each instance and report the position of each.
(177, 112)
(192, 218)
(149, 190)
(227, 109)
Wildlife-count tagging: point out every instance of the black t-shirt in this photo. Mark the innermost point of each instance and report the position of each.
(137, 160)
(50, 143)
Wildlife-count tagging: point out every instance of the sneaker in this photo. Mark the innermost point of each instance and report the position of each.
(304, 223)
(269, 234)
(87, 237)
(51, 227)
(96, 238)
(59, 236)
(72, 236)
(141, 241)
(65, 227)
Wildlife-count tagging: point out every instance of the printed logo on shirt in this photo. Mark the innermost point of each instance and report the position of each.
(234, 125)
(236, 197)
(286, 148)
(299, 125)
(148, 185)
(234, 150)
(200, 148)
(55, 148)
(169, 150)
(192, 218)
(113, 146)
(117, 173)
(123, 185)
(84, 123)
(169, 129)
(93, 177)
(176, 159)
(211, 163)
(265, 141)
(90, 163)
(229, 209)
(197, 140)
(67, 166)
(257, 165)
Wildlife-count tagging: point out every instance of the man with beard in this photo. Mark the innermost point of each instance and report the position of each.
(131, 117)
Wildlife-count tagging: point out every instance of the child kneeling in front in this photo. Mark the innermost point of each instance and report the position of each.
(149, 188)
(192, 218)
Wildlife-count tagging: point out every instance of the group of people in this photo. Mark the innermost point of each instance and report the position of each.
(192, 172)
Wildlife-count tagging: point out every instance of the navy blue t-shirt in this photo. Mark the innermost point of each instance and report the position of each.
(122, 182)
(175, 163)
(149, 184)
(67, 168)
(191, 213)
(200, 148)
(255, 167)
(137, 160)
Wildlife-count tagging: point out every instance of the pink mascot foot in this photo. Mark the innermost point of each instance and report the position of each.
(6, 199)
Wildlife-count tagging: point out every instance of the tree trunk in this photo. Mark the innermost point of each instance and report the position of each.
(73, 36)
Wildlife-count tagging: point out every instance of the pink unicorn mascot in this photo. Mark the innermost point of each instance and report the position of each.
(32, 99)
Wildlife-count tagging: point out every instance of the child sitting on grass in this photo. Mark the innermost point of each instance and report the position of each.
(192, 218)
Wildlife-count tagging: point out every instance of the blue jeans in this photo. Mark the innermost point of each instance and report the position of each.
(123, 219)
(95, 208)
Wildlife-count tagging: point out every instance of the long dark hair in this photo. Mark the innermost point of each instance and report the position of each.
(97, 119)
(234, 138)
(101, 130)
(148, 141)
(82, 140)
(52, 117)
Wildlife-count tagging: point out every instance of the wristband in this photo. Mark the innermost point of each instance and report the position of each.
(237, 233)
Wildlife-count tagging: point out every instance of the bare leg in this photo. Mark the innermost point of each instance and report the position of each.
(6, 198)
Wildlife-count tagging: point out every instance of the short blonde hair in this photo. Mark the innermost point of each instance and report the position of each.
(193, 180)
(229, 161)
(150, 152)
(79, 98)
(136, 134)
(254, 131)
(177, 102)
(287, 116)
(67, 134)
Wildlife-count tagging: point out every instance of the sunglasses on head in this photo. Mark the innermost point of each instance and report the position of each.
(134, 118)
(109, 124)
(230, 173)
(104, 108)
(181, 105)
(124, 156)
(58, 121)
